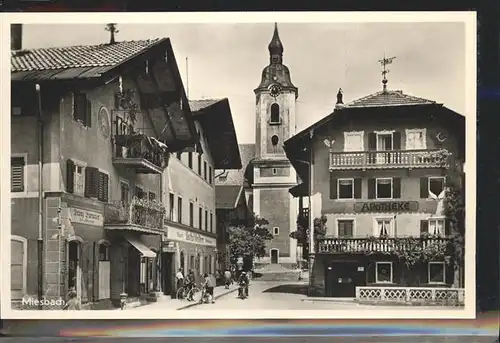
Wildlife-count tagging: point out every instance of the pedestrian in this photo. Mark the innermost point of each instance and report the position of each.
(179, 278)
(228, 280)
(73, 303)
(209, 285)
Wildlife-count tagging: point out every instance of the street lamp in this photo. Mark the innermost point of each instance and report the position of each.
(310, 163)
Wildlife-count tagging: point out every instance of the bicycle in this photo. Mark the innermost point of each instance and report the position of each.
(192, 293)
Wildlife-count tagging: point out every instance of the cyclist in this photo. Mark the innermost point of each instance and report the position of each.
(190, 281)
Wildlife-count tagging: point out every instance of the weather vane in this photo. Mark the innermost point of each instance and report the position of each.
(384, 62)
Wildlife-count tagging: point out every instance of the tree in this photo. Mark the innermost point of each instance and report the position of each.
(302, 232)
(248, 238)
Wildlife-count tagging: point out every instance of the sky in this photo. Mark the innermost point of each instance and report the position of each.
(226, 60)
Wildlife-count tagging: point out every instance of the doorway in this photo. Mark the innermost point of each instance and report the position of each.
(133, 272)
(167, 272)
(74, 269)
(104, 272)
(274, 256)
(343, 277)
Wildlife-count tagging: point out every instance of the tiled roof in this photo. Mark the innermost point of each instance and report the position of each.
(198, 105)
(237, 177)
(388, 98)
(227, 197)
(80, 56)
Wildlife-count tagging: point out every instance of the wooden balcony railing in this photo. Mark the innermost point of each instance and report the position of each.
(140, 212)
(411, 295)
(389, 159)
(371, 245)
(142, 153)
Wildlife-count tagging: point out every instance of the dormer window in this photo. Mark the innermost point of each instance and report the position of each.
(275, 114)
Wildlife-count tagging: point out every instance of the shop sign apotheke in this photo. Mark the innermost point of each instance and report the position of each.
(386, 206)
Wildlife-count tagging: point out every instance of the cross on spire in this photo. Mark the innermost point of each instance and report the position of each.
(112, 29)
(384, 62)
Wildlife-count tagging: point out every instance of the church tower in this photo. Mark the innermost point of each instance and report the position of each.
(273, 174)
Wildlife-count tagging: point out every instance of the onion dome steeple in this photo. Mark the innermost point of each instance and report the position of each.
(276, 72)
(276, 47)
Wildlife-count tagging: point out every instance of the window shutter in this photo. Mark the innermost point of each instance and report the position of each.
(17, 174)
(372, 141)
(424, 227)
(100, 186)
(88, 113)
(424, 188)
(371, 188)
(102, 192)
(370, 272)
(357, 188)
(333, 186)
(79, 107)
(70, 176)
(396, 187)
(396, 144)
(91, 182)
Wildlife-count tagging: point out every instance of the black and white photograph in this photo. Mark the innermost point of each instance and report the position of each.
(278, 166)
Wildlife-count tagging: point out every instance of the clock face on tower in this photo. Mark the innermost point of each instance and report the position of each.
(275, 90)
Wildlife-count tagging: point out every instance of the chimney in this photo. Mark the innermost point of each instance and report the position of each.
(340, 102)
(16, 36)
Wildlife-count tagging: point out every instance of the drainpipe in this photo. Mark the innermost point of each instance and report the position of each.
(311, 219)
(40, 198)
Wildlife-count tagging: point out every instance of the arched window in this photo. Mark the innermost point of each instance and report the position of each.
(191, 263)
(182, 262)
(275, 113)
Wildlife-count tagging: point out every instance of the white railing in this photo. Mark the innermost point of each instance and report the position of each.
(412, 295)
(388, 159)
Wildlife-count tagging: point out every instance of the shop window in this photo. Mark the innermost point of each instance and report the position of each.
(383, 272)
(436, 272)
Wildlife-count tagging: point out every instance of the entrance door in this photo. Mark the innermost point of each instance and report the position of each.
(342, 279)
(274, 256)
(74, 268)
(104, 272)
(133, 272)
(17, 268)
(167, 272)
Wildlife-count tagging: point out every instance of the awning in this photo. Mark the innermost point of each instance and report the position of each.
(144, 250)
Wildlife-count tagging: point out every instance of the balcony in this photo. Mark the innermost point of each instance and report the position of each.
(140, 215)
(438, 158)
(141, 153)
(376, 245)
